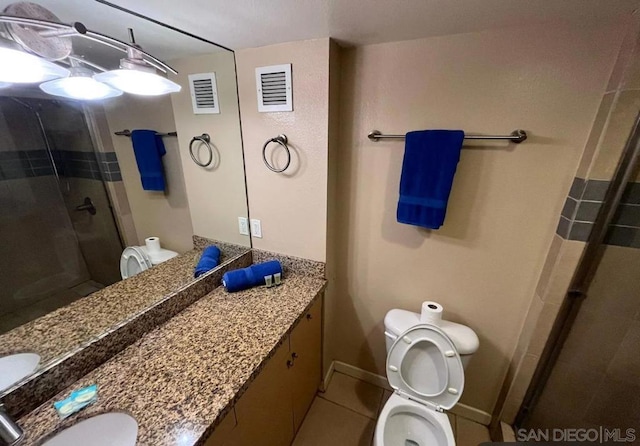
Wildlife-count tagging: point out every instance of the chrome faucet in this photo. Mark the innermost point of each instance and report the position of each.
(10, 433)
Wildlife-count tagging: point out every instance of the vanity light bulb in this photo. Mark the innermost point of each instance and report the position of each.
(79, 87)
(138, 82)
(18, 67)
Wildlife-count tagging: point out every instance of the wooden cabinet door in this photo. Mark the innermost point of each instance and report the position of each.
(264, 411)
(224, 432)
(306, 349)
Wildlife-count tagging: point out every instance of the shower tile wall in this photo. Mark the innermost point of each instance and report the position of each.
(82, 170)
(582, 206)
(34, 224)
(58, 247)
(596, 381)
(611, 127)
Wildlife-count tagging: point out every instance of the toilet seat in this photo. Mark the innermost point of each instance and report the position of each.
(424, 365)
(427, 375)
(133, 261)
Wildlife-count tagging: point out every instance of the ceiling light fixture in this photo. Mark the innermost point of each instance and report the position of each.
(138, 82)
(45, 40)
(18, 67)
(80, 85)
(135, 76)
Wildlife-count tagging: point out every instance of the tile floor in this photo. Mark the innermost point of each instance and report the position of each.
(346, 414)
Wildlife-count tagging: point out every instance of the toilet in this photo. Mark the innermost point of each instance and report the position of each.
(133, 261)
(425, 367)
(136, 259)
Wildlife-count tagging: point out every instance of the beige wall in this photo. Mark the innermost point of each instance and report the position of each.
(292, 206)
(165, 215)
(484, 263)
(217, 194)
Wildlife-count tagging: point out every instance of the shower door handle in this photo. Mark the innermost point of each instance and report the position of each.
(88, 206)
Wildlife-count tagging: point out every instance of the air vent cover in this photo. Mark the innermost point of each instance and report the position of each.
(274, 88)
(204, 93)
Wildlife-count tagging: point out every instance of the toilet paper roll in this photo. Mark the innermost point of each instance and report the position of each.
(152, 244)
(431, 313)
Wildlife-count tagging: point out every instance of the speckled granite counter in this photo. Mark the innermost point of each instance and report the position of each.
(182, 377)
(66, 328)
(75, 339)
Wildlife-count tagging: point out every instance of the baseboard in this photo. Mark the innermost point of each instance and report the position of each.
(324, 385)
(468, 412)
(471, 413)
(360, 374)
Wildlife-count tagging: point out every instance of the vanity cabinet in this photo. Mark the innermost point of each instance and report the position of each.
(305, 343)
(271, 411)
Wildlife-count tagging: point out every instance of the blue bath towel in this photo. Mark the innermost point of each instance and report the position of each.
(149, 150)
(241, 279)
(209, 259)
(430, 161)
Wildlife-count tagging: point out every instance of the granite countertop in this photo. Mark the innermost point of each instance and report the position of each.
(181, 378)
(69, 327)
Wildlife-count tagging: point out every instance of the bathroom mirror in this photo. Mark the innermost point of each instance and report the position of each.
(71, 189)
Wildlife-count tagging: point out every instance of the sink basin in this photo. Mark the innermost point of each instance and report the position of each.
(13, 368)
(108, 429)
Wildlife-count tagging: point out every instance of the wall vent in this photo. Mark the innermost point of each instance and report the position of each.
(204, 93)
(274, 88)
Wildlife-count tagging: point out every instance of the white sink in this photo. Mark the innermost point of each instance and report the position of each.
(108, 429)
(14, 368)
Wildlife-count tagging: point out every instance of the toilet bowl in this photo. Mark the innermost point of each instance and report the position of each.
(407, 423)
(427, 376)
(133, 261)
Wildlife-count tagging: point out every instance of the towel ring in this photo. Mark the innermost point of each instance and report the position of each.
(282, 140)
(205, 139)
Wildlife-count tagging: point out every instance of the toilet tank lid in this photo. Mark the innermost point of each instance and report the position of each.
(466, 340)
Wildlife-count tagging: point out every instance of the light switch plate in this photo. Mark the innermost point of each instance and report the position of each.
(256, 228)
(243, 225)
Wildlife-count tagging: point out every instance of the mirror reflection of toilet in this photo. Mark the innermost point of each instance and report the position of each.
(426, 358)
(136, 259)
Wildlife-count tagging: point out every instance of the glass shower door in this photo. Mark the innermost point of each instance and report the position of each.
(594, 382)
(50, 253)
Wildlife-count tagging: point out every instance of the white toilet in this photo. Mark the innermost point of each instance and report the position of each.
(136, 259)
(425, 367)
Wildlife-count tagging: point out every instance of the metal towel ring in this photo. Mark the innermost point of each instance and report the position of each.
(282, 140)
(206, 139)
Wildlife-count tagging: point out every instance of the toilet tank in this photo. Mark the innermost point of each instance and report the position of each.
(464, 338)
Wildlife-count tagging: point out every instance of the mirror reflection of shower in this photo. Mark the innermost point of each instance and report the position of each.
(50, 252)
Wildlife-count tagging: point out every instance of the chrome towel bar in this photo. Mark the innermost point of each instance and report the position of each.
(517, 136)
(127, 132)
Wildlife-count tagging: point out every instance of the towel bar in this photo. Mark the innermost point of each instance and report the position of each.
(517, 136)
(127, 132)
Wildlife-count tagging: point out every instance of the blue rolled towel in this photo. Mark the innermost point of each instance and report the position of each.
(428, 167)
(209, 259)
(241, 279)
(149, 150)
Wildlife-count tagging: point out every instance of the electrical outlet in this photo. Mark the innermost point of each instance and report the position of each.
(256, 228)
(243, 225)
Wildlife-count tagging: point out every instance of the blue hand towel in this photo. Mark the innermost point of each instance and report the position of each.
(241, 279)
(149, 150)
(209, 259)
(430, 160)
